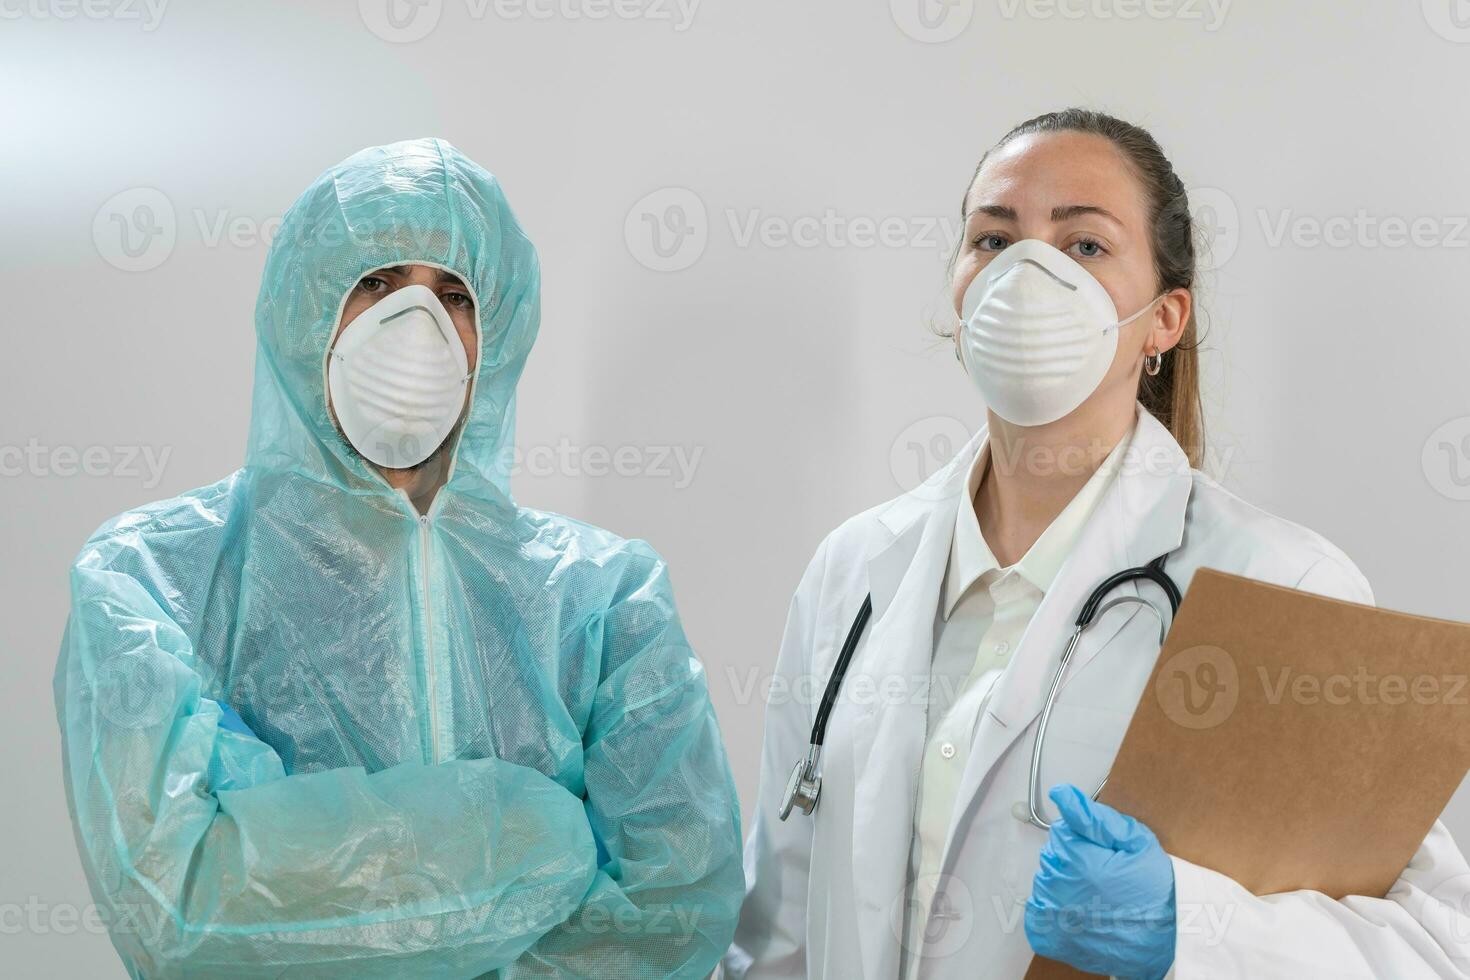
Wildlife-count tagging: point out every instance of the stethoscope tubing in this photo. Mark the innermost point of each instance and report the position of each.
(805, 786)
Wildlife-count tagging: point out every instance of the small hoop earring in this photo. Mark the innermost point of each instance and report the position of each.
(1154, 363)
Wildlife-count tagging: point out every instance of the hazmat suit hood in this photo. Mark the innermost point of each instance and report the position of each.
(416, 202)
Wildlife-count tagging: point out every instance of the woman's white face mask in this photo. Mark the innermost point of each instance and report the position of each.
(1038, 333)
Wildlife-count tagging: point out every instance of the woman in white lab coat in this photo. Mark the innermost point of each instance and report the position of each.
(919, 860)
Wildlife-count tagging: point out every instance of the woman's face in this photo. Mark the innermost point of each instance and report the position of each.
(1077, 193)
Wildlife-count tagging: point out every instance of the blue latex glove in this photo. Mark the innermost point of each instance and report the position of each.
(1103, 900)
(231, 721)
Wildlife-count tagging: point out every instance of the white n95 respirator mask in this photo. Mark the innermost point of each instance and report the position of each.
(1037, 333)
(397, 378)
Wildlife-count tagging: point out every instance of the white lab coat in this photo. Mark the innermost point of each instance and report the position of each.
(825, 893)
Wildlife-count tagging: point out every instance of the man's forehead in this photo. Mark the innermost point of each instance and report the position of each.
(443, 276)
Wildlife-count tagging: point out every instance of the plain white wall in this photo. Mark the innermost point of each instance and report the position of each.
(803, 165)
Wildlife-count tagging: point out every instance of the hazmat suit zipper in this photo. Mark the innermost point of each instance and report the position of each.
(429, 656)
(426, 597)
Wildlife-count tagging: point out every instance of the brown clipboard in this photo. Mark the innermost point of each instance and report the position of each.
(1292, 741)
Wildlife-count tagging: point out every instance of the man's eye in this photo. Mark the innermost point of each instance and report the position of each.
(457, 300)
(371, 284)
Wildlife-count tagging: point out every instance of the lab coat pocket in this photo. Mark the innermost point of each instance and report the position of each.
(1081, 743)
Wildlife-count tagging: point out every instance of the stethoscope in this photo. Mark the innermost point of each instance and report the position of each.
(805, 785)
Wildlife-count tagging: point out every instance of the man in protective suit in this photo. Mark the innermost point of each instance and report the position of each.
(351, 711)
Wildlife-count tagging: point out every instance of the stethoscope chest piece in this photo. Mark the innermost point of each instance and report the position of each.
(803, 788)
(805, 784)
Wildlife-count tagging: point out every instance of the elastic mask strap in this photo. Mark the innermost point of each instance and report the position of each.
(1145, 309)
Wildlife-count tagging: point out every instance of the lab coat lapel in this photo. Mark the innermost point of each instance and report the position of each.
(889, 673)
(1140, 517)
